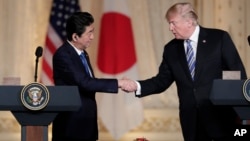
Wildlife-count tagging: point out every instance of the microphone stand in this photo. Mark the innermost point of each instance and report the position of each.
(36, 69)
(39, 51)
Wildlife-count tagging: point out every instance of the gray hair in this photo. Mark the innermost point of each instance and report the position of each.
(184, 9)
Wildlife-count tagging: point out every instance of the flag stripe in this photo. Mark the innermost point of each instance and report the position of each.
(47, 69)
(52, 35)
(50, 46)
(61, 10)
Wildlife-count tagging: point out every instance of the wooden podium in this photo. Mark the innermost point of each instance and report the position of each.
(34, 124)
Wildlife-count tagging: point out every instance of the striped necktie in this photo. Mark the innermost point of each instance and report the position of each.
(85, 63)
(190, 58)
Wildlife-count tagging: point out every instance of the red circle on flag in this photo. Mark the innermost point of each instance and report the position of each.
(116, 51)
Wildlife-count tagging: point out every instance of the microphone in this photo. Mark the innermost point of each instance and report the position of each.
(39, 52)
(248, 38)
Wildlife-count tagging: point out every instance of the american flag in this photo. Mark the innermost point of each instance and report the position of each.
(60, 12)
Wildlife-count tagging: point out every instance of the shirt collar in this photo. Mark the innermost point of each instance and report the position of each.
(76, 49)
(195, 35)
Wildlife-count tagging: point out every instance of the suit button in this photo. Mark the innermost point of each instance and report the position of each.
(194, 90)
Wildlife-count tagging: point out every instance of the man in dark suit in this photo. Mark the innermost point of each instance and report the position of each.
(213, 52)
(71, 66)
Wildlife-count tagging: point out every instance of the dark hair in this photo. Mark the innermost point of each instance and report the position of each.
(77, 23)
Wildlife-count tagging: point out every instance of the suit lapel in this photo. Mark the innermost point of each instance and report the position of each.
(183, 59)
(76, 58)
(202, 49)
(90, 67)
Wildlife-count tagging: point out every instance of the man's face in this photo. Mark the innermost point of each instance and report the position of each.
(179, 26)
(85, 39)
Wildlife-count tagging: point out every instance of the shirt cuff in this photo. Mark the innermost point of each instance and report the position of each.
(138, 91)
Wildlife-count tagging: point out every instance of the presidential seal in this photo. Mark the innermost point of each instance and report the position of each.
(246, 90)
(35, 96)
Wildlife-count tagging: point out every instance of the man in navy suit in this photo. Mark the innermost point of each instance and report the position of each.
(213, 52)
(70, 69)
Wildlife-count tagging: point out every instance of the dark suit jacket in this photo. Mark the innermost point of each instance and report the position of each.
(69, 70)
(215, 53)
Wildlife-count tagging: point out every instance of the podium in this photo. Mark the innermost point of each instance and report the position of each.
(230, 93)
(34, 124)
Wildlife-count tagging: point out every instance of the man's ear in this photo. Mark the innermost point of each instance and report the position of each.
(190, 22)
(74, 37)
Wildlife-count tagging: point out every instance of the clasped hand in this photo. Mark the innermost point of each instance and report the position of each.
(127, 85)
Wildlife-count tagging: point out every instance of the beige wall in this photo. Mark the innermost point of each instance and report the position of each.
(24, 24)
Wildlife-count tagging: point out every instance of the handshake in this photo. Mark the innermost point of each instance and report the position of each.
(127, 85)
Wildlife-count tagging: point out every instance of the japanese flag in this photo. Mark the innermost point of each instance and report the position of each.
(117, 58)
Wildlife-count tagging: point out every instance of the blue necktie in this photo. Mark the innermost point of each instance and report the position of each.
(85, 63)
(190, 58)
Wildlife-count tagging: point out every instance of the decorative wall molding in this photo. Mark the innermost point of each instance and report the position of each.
(159, 125)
